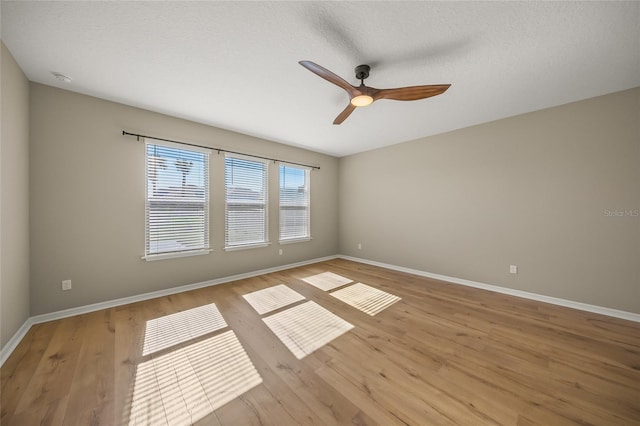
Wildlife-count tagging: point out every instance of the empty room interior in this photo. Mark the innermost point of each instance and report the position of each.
(320, 213)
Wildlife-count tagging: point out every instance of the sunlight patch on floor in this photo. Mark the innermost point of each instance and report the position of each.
(170, 330)
(306, 327)
(185, 385)
(368, 299)
(272, 298)
(327, 281)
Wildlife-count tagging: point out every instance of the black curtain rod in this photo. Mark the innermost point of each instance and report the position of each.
(138, 136)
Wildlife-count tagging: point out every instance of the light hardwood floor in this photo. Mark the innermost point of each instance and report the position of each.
(443, 354)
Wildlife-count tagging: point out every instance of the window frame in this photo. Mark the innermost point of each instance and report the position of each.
(254, 244)
(150, 255)
(307, 185)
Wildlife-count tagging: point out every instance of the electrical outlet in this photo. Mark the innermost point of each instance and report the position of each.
(280, 252)
(66, 285)
(513, 269)
(359, 246)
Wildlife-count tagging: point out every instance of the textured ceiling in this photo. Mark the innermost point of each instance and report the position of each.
(234, 65)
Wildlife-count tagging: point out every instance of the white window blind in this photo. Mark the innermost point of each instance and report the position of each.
(294, 203)
(177, 199)
(245, 201)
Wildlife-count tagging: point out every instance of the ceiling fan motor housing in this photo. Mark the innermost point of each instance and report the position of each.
(362, 72)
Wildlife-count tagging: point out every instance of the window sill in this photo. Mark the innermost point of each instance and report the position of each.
(175, 255)
(246, 247)
(295, 240)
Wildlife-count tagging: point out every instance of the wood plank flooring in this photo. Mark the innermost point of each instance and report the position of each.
(442, 355)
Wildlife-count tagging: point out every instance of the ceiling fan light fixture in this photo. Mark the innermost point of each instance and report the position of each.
(361, 100)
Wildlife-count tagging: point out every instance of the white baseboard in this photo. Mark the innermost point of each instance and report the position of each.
(37, 319)
(630, 316)
(15, 339)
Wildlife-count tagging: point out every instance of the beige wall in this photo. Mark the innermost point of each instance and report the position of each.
(532, 190)
(14, 199)
(87, 202)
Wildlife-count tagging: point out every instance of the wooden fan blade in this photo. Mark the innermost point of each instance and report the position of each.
(330, 77)
(411, 93)
(344, 114)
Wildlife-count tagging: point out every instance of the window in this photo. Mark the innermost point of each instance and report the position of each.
(177, 200)
(245, 183)
(294, 203)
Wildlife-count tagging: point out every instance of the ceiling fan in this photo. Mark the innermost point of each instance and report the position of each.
(362, 95)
